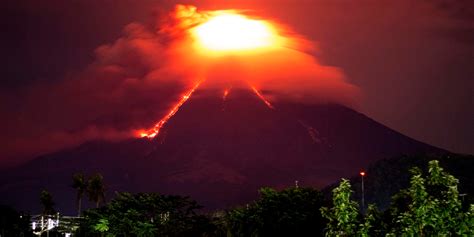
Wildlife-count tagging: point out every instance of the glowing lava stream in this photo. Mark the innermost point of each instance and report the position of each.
(226, 93)
(151, 133)
(269, 105)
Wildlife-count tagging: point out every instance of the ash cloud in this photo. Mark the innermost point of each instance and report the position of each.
(135, 80)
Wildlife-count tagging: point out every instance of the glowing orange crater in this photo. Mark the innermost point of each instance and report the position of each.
(227, 31)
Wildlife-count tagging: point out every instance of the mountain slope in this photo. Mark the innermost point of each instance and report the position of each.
(220, 151)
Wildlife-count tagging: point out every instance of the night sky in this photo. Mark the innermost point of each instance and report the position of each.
(412, 61)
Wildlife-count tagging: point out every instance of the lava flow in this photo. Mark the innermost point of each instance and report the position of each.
(151, 133)
(226, 93)
(269, 105)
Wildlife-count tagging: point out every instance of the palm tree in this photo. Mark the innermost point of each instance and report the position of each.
(79, 182)
(96, 189)
(47, 202)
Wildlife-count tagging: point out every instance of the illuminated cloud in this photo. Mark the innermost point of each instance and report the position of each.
(142, 76)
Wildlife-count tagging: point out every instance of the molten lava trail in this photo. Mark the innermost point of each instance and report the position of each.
(151, 133)
(226, 93)
(269, 105)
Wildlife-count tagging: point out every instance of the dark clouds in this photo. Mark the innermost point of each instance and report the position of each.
(123, 89)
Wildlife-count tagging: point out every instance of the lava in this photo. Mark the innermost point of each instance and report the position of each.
(151, 133)
(226, 93)
(269, 105)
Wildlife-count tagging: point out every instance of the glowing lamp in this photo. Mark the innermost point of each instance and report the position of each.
(362, 173)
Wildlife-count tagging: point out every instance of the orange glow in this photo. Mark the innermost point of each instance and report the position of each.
(362, 173)
(151, 133)
(226, 93)
(269, 105)
(230, 31)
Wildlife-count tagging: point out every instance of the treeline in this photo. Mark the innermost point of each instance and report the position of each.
(429, 205)
(387, 177)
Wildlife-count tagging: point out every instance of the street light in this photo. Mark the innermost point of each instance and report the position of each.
(362, 174)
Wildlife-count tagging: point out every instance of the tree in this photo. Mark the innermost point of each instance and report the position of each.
(290, 212)
(79, 182)
(145, 229)
(47, 202)
(433, 206)
(147, 214)
(96, 189)
(102, 226)
(343, 215)
(367, 227)
(13, 223)
(429, 207)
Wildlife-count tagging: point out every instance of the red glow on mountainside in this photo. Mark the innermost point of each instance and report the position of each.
(269, 105)
(151, 133)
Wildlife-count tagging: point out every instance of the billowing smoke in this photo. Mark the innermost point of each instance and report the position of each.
(135, 80)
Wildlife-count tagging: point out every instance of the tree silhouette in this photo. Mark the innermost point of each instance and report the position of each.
(147, 214)
(79, 182)
(96, 189)
(47, 202)
(289, 212)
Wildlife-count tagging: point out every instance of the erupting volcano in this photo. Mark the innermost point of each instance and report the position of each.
(255, 110)
(221, 156)
(225, 33)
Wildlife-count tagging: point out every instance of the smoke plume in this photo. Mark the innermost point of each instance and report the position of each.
(134, 81)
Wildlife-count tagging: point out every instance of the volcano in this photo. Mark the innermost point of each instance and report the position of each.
(220, 147)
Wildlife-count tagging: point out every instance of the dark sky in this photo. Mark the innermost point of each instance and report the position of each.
(412, 59)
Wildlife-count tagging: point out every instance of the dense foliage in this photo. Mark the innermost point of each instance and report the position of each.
(343, 215)
(13, 223)
(430, 204)
(385, 178)
(429, 207)
(290, 212)
(145, 214)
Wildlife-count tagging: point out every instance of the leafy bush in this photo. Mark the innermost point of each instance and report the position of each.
(290, 212)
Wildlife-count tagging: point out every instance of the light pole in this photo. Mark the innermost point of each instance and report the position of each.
(362, 174)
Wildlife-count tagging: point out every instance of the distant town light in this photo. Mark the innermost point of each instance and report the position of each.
(362, 173)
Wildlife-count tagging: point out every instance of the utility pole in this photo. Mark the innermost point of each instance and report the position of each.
(362, 174)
